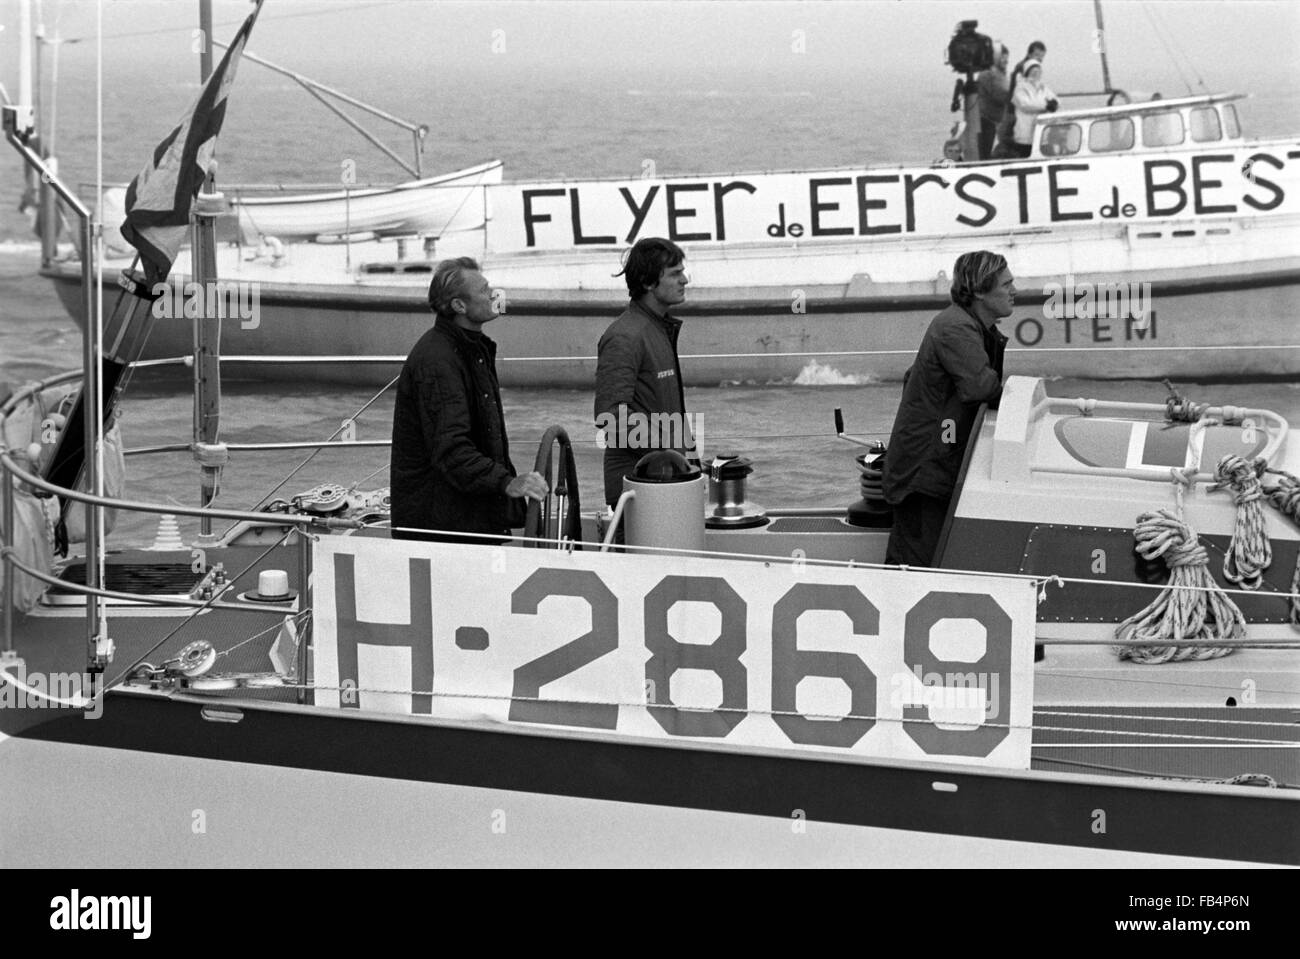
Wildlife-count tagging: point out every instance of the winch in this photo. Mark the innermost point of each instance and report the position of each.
(729, 508)
(871, 512)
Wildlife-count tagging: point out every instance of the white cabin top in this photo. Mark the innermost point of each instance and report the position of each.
(1149, 126)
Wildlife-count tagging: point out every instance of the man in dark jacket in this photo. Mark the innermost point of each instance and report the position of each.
(640, 401)
(958, 366)
(451, 467)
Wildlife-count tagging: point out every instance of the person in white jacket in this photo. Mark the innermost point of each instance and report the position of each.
(1031, 97)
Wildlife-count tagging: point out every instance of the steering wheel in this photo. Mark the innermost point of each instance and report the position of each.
(558, 516)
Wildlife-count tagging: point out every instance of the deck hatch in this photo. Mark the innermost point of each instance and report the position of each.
(138, 579)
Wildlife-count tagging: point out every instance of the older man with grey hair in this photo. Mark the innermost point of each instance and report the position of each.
(451, 471)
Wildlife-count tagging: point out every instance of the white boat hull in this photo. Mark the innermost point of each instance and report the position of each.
(1238, 323)
(255, 816)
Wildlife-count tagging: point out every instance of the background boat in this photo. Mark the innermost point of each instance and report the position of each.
(865, 301)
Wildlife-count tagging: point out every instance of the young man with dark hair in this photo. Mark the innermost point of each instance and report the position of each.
(451, 469)
(640, 400)
(958, 366)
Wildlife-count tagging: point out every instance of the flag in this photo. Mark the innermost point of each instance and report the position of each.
(159, 200)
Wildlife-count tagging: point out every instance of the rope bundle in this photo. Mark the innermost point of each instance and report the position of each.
(1191, 606)
(1284, 496)
(1179, 409)
(1249, 553)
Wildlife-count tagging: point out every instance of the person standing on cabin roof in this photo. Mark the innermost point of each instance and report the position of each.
(1006, 131)
(1031, 98)
(958, 366)
(994, 95)
(451, 469)
(640, 399)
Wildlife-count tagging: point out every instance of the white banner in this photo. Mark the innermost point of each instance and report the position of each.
(903, 201)
(869, 662)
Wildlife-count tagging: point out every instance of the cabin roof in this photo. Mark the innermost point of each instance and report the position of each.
(1121, 109)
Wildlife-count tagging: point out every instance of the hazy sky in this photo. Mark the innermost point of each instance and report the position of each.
(1230, 45)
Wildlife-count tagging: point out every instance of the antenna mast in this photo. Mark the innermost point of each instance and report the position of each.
(1101, 46)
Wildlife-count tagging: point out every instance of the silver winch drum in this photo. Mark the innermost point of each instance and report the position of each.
(668, 505)
(728, 508)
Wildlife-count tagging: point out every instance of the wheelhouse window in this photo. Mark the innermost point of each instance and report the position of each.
(1205, 125)
(1061, 139)
(1110, 134)
(1163, 129)
(1230, 121)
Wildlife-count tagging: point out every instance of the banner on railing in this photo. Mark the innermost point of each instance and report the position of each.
(894, 202)
(909, 665)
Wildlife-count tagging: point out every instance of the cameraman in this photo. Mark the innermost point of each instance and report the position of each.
(994, 94)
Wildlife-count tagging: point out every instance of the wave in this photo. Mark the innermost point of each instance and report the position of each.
(819, 374)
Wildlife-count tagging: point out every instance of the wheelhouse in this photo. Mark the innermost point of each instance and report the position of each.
(1150, 126)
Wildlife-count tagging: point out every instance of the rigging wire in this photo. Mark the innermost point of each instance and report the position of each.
(355, 485)
(1156, 29)
(316, 452)
(1189, 60)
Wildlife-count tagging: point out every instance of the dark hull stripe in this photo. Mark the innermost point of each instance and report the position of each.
(414, 299)
(1257, 826)
(1004, 546)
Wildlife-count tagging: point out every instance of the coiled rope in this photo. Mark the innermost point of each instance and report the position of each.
(1203, 612)
(1284, 496)
(1250, 552)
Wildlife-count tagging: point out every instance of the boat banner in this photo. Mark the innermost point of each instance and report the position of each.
(883, 663)
(789, 208)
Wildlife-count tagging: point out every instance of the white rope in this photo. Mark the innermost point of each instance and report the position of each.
(1249, 552)
(1284, 495)
(1178, 613)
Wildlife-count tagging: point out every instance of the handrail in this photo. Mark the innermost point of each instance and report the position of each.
(290, 519)
(28, 390)
(1274, 424)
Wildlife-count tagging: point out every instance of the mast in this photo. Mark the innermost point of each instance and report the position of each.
(205, 30)
(25, 53)
(207, 325)
(31, 42)
(99, 646)
(1101, 46)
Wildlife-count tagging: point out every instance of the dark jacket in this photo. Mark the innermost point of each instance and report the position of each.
(450, 458)
(958, 366)
(637, 367)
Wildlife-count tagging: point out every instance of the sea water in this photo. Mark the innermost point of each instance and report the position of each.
(683, 88)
